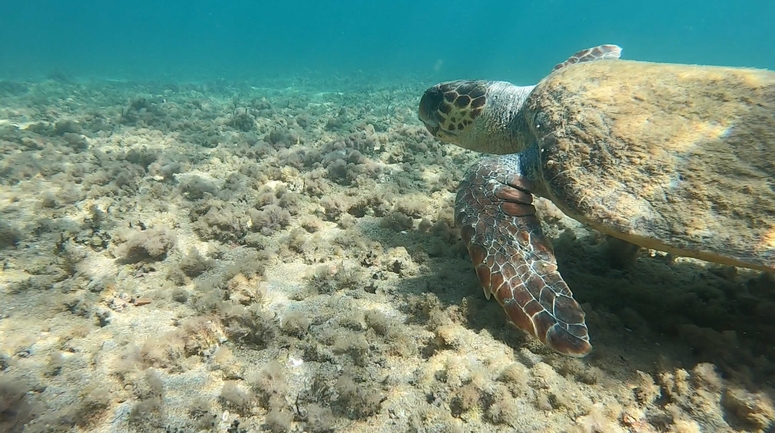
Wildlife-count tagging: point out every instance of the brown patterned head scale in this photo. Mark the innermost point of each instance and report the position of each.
(449, 109)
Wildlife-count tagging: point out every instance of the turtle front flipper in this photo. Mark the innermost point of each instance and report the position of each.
(600, 52)
(513, 259)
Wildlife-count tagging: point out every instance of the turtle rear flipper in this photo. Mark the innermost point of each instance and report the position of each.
(513, 259)
(600, 52)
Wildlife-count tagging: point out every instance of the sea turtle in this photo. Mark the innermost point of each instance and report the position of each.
(677, 158)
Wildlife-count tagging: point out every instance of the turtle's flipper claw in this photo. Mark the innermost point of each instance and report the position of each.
(513, 259)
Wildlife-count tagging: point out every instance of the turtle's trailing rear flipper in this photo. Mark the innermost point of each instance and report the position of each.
(600, 52)
(512, 257)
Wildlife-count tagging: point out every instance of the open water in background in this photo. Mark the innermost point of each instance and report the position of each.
(435, 40)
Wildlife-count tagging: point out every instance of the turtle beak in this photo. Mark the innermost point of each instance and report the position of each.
(429, 104)
(434, 130)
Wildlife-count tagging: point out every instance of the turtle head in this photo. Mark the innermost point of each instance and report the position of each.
(478, 115)
(449, 109)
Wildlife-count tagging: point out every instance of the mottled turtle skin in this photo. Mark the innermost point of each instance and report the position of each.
(538, 144)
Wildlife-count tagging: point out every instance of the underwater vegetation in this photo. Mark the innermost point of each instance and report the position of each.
(218, 257)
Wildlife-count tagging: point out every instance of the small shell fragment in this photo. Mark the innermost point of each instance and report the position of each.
(139, 302)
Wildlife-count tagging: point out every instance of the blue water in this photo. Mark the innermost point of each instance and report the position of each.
(503, 39)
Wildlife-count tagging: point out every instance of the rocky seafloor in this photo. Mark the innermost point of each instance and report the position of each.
(222, 257)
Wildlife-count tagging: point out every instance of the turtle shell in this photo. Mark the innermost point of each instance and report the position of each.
(679, 158)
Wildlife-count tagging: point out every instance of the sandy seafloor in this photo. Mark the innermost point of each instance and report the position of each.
(280, 257)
